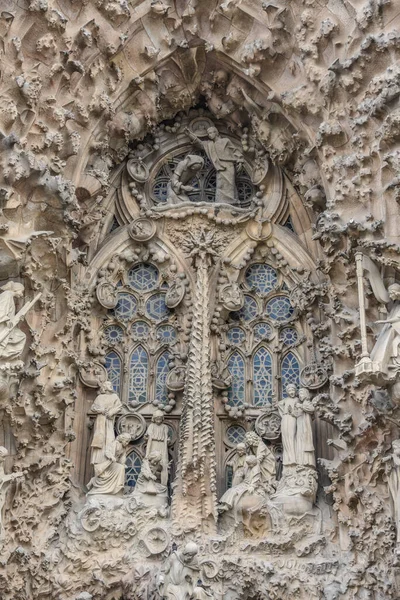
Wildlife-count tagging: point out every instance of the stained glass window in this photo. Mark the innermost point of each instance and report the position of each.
(235, 434)
(261, 278)
(140, 330)
(113, 334)
(236, 335)
(262, 377)
(156, 307)
(138, 375)
(290, 371)
(126, 306)
(236, 367)
(162, 369)
(262, 331)
(166, 334)
(288, 336)
(133, 466)
(228, 476)
(279, 308)
(249, 310)
(113, 368)
(143, 277)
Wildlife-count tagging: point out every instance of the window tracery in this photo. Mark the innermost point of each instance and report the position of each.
(140, 333)
(261, 338)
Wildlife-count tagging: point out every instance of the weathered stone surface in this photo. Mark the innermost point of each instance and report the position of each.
(199, 210)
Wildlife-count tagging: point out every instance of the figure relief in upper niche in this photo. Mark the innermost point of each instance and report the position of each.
(105, 407)
(179, 186)
(225, 158)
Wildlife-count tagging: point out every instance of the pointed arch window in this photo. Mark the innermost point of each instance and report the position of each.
(162, 369)
(290, 371)
(262, 377)
(138, 376)
(237, 369)
(113, 368)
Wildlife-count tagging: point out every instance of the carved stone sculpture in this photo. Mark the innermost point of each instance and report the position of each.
(185, 171)
(393, 470)
(289, 411)
(305, 452)
(110, 474)
(180, 574)
(105, 407)
(224, 157)
(12, 339)
(157, 442)
(238, 463)
(149, 490)
(265, 458)
(3, 480)
(386, 350)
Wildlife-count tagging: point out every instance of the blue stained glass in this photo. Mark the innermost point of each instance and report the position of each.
(162, 370)
(236, 367)
(249, 310)
(133, 466)
(113, 368)
(166, 334)
(290, 371)
(140, 330)
(235, 434)
(160, 189)
(288, 336)
(229, 476)
(126, 306)
(261, 278)
(113, 334)
(138, 375)
(143, 277)
(262, 377)
(156, 307)
(279, 308)
(236, 335)
(262, 331)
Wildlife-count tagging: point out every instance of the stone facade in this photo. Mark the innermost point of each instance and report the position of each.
(199, 300)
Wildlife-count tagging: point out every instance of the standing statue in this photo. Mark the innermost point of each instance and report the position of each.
(157, 441)
(223, 154)
(12, 339)
(4, 479)
(387, 345)
(305, 451)
(288, 410)
(181, 573)
(265, 458)
(185, 170)
(106, 406)
(238, 463)
(393, 471)
(110, 474)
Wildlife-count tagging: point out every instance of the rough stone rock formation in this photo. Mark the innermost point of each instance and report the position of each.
(199, 210)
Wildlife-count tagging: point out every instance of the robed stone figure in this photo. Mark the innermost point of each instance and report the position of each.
(105, 407)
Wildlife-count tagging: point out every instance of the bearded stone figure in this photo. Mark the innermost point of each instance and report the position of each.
(110, 474)
(105, 407)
